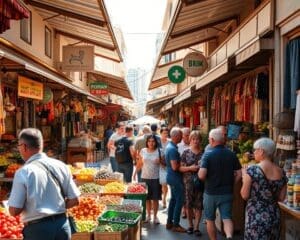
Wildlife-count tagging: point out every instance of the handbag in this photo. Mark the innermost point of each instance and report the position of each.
(198, 184)
(70, 218)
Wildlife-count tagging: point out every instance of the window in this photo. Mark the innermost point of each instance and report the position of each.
(25, 29)
(48, 42)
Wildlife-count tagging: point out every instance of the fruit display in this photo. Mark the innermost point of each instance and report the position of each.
(114, 187)
(245, 148)
(88, 209)
(136, 188)
(114, 227)
(103, 176)
(90, 188)
(85, 174)
(110, 200)
(3, 161)
(125, 208)
(263, 127)
(85, 225)
(10, 227)
(11, 170)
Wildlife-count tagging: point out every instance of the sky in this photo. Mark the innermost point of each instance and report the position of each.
(140, 22)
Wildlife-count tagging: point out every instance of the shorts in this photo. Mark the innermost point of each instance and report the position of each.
(154, 189)
(222, 202)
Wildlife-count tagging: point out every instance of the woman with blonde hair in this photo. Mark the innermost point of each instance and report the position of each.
(189, 166)
(264, 185)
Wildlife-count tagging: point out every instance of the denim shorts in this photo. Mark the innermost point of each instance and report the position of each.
(222, 202)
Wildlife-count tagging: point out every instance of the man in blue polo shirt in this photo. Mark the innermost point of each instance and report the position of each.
(220, 169)
(174, 179)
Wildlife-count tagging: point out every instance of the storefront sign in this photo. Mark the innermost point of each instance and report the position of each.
(98, 88)
(78, 58)
(195, 64)
(29, 88)
(176, 74)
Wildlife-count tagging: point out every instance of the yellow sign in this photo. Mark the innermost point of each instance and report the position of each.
(29, 88)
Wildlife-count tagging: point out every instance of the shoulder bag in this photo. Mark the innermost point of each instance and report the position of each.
(51, 174)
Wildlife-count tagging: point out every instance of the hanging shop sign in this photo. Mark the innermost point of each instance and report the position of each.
(48, 95)
(78, 58)
(29, 88)
(98, 88)
(176, 74)
(195, 64)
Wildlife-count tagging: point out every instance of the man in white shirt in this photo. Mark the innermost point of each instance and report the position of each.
(120, 132)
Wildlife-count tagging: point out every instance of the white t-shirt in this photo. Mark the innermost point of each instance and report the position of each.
(150, 169)
(182, 146)
(114, 137)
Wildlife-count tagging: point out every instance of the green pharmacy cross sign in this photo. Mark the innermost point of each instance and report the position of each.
(176, 74)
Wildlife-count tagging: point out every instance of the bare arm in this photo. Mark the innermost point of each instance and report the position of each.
(175, 165)
(14, 211)
(245, 190)
(282, 193)
(202, 174)
(192, 168)
(72, 202)
(132, 152)
(237, 175)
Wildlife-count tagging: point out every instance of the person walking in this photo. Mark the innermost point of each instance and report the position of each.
(263, 186)
(140, 143)
(42, 191)
(150, 157)
(164, 134)
(220, 169)
(120, 130)
(189, 166)
(125, 154)
(174, 179)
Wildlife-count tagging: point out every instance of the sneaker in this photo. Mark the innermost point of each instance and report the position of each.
(147, 220)
(179, 229)
(169, 226)
(156, 221)
(190, 230)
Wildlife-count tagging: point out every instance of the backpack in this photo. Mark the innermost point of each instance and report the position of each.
(120, 153)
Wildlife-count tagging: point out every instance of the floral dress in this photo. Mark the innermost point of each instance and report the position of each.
(262, 210)
(193, 197)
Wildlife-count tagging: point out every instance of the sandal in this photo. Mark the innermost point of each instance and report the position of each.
(190, 230)
(197, 233)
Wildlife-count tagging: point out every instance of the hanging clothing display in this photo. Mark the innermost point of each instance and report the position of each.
(297, 115)
(292, 73)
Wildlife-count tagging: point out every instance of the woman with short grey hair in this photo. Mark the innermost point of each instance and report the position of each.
(267, 145)
(264, 185)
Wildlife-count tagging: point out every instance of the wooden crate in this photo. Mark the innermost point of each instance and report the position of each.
(82, 236)
(111, 235)
(134, 233)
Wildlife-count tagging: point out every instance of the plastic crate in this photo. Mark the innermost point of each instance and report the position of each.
(133, 201)
(111, 216)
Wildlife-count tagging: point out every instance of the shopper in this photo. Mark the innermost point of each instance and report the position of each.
(164, 134)
(120, 131)
(220, 169)
(125, 154)
(263, 186)
(42, 191)
(174, 179)
(183, 145)
(140, 143)
(189, 166)
(150, 157)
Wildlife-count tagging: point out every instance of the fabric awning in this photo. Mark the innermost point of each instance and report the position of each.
(11, 9)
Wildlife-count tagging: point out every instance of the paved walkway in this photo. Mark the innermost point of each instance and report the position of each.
(152, 231)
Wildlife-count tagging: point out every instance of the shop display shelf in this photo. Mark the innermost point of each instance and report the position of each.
(123, 235)
(82, 236)
(119, 217)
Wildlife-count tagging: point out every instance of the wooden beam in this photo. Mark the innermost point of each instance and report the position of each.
(189, 44)
(84, 18)
(190, 2)
(70, 35)
(202, 27)
(109, 58)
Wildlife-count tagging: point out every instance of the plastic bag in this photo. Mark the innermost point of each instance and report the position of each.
(162, 175)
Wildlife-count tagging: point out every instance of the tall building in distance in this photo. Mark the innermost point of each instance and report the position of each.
(137, 82)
